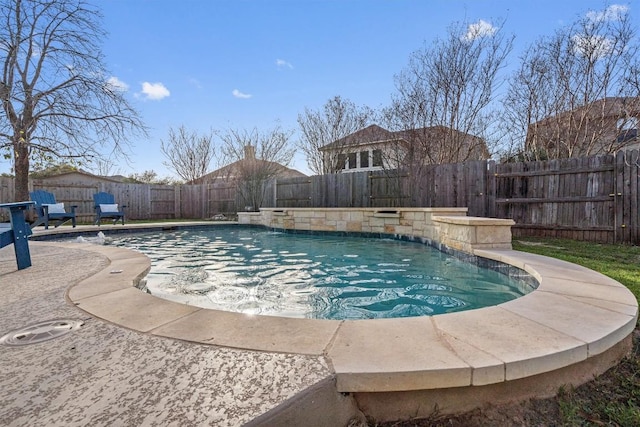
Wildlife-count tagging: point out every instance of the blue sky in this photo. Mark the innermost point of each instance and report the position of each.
(213, 64)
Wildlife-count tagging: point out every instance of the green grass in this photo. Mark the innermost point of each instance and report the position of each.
(613, 399)
(620, 262)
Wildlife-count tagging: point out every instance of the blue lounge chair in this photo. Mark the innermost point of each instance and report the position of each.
(17, 232)
(106, 207)
(48, 210)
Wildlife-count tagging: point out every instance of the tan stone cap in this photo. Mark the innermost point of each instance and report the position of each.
(575, 313)
(472, 220)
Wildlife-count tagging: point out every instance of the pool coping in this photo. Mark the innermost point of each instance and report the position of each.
(575, 314)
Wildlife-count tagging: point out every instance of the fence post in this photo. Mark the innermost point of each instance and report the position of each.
(177, 206)
(634, 197)
(274, 194)
(490, 189)
(618, 203)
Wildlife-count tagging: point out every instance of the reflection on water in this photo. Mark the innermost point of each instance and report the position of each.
(257, 271)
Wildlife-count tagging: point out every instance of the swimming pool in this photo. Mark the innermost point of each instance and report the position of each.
(257, 271)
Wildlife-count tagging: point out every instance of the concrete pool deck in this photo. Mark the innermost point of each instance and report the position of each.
(150, 361)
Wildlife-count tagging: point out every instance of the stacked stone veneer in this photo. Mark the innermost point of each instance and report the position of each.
(448, 226)
(469, 233)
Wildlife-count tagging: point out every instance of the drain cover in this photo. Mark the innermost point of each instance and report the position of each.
(39, 332)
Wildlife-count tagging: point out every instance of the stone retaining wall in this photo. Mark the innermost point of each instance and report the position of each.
(449, 226)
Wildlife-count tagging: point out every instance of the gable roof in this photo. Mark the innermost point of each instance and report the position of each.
(244, 164)
(375, 134)
(593, 128)
(606, 107)
(370, 134)
(79, 173)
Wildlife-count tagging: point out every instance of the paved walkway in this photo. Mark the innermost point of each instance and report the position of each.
(106, 375)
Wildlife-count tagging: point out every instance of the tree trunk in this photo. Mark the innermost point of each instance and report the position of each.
(21, 157)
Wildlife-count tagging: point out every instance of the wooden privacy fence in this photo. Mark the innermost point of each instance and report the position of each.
(451, 185)
(143, 201)
(592, 198)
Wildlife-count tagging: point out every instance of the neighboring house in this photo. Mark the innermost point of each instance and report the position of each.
(74, 177)
(601, 127)
(247, 167)
(362, 150)
(376, 148)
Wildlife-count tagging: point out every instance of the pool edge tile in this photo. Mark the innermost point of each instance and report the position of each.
(599, 327)
(608, 291)
(261, 333)
(393, 355)
(486, 368)
(125, 269)
(134, 309)
(526, 347)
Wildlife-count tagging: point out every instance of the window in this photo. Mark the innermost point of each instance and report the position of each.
(377, 157)
(364, 159)
(627, 129)
(627, 135)
(628, 123)
(352, 161)
(342, 162)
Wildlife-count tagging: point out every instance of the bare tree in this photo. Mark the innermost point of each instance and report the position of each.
(57, 98)
(443, 107)
(444, 95)
(104, 167)
(252, 159)
(337, 119)
(51, 169)
(574, 89)
(188, 153)
(526, 102)
(150, 177)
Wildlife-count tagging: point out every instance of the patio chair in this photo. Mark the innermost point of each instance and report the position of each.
(16, 232)
(106, 207)
(48, 210)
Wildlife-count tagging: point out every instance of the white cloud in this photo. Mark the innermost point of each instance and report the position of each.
(116, 84)
(281, 63)
(195, 82)
(593, 47)
(154, 91)
(241, 95)
(479, 29)
(614, 12)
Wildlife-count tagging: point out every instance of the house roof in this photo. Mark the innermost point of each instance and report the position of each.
(618, 107)
(247, 163)
(370, 134)
(589, 129)
(79, 172)
(375, 134)
(431, 132)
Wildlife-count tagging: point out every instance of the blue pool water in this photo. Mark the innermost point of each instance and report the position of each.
(257, 271)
